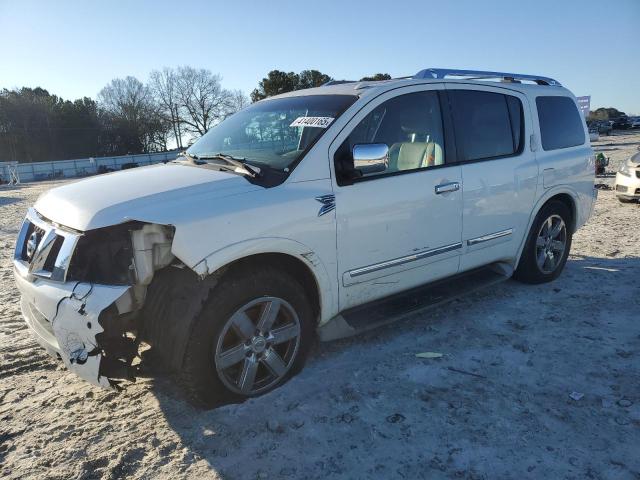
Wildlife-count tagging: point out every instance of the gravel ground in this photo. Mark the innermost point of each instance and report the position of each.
(497, 405)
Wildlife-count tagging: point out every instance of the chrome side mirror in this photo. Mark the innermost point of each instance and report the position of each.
(370, 158)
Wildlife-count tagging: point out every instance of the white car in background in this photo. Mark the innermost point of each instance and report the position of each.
(627, 184)
(317, 213)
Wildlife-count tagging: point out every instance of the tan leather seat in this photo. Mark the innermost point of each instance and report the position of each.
(433, 155)
(412, 155)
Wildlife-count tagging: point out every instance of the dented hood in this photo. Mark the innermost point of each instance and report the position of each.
(136, 194)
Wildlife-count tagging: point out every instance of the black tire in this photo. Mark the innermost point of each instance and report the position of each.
(625, 200)
(528, 270)
(204, 382)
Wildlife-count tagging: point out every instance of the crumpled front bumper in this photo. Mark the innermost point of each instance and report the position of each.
(65, 319)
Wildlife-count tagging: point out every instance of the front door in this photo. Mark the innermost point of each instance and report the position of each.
(402, 227)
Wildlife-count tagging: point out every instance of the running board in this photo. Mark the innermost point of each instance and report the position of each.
(396, 307)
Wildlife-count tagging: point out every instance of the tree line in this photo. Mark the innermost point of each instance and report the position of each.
(128, 117)
(174, 107)
(277, 82)
(608, 113)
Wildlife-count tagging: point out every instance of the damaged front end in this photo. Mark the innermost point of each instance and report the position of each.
(82, 291)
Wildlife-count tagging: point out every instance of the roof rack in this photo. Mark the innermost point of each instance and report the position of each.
(481, 75)
(336, 82)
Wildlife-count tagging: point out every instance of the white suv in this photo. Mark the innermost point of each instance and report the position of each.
(321, 212)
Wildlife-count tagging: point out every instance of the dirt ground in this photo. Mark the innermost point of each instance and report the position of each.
(367, 407)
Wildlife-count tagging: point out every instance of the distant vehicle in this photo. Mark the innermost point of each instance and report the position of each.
(377, 199)
(627, 184)
(635, 122)
(603, 127)
(621, 123)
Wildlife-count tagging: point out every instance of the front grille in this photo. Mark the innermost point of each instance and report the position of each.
(31, 229)
(621, 188)
(42, 249)
(637, 191)
(50, 262)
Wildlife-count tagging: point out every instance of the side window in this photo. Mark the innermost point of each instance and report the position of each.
(560, 123)
(487, 124)
(411, 127)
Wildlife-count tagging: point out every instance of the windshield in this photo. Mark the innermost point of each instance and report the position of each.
(273, 133)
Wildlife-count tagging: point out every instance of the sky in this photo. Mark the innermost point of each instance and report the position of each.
(74, 48)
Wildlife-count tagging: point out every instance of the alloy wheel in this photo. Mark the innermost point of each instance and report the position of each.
(257, 346)
(551, 243)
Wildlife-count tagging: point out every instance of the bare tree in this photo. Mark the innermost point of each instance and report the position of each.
(164, 87)
(133, 115)
(203, 101)
(237, 101)
(126, 97)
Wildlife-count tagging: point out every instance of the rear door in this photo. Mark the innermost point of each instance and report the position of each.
(402, 227)
(499, 171)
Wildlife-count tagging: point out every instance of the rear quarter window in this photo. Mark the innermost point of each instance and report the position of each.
(560, 123)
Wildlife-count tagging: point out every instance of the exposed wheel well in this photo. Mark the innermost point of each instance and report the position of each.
(289, 264)
(176, 296)
(566, 199)
(569, 202)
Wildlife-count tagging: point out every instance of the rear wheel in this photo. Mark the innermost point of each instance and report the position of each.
(547, 249)
(251, 336)
(625, 200)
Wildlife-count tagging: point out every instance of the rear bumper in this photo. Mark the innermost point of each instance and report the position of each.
(67, 320)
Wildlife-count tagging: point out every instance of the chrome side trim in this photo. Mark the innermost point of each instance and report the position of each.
(402, 260)
(491, 236)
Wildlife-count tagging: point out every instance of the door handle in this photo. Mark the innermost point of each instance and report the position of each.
(447, 187)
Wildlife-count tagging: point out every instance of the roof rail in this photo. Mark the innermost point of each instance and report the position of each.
(336, 82)
(481, 75)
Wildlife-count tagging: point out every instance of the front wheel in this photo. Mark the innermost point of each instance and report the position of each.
(547, 248)
(251, 337)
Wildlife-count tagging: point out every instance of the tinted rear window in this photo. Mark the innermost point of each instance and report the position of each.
(487, 125)
(560, 123)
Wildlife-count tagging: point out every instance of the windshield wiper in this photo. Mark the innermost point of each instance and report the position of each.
(240, 164)
(188, 156)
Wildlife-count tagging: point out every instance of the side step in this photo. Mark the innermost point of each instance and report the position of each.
(396, 307)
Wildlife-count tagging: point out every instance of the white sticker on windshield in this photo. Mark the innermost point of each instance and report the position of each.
(320, 122)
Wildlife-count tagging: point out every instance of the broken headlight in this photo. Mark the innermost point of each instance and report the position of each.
(105, 256)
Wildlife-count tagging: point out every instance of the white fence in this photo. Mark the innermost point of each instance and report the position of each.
(82, 167)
